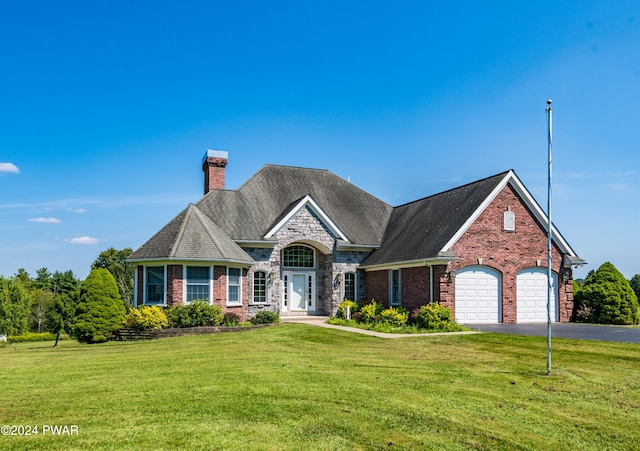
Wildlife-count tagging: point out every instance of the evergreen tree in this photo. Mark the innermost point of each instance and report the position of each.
(122, 271)
(15, 307)
(635, 285)
(608, 298)
(100, 311)
(64, 282)
(42, 280)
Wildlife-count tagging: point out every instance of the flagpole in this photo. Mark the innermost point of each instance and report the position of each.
(549, 279)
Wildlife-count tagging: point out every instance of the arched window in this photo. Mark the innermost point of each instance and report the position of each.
(298, 256)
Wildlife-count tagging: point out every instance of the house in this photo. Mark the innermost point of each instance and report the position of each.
(299, 241)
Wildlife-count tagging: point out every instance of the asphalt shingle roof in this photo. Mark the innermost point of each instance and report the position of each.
(191, 236)
(249, 212)
(420, 229)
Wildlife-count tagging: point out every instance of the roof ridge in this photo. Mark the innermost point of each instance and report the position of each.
(181, 230)
(501, 174)
(204, 220)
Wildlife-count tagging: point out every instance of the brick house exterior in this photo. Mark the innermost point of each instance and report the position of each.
(299, 241)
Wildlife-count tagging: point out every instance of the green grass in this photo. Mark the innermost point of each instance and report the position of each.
(303, 387)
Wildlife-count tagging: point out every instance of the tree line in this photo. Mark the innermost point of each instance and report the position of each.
(59, 302)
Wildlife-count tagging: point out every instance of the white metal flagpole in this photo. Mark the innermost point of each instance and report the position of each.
(549, 279)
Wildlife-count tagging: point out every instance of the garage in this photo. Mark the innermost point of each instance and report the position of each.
(531, 295)
(478, 295)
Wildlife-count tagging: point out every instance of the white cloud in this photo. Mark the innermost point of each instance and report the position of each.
(45, 220)
(9, 167)
(84, 240)
(80, 210)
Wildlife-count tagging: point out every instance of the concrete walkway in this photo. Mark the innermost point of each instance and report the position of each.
(320, 322)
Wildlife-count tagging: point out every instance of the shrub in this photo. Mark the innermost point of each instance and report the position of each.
(230, 319)
(370, 313)
(433, 316)
(394, 316)
(265, 317)
(100, 311)
(609, 298)
(342, 308)
(147, 318)
(197, 313)
(32, 336)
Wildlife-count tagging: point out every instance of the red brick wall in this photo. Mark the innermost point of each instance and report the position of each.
(214, 172)
(508, 252)
(220, 285)
(220, 292)
(378, 286)
(174, 285)
(414, 282)
(415, 287)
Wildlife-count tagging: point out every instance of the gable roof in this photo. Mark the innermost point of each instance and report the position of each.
(252, 211)
(427, 229)
(420, 229)
(191, 236)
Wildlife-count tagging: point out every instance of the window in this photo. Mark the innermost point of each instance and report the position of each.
(197, 283)
(350, 286)
(155, 285)
(234, 289)
(298, 257)
(286, 290)
(394, 287)
(259, 287)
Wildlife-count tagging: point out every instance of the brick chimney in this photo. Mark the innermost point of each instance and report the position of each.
(213, 164)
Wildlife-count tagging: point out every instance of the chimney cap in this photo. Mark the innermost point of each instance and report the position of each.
(210, 153)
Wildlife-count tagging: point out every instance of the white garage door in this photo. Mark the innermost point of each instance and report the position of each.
(477, 295)
(531, 295)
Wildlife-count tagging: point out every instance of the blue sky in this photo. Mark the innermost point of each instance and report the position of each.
(108, 107)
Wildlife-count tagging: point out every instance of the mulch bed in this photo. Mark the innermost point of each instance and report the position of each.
(128, 333)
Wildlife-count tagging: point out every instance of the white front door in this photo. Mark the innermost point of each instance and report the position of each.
(298, 292)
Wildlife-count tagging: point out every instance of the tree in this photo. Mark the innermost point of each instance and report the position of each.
(40, 303)
(64, 282)
(14, 307)
(635, 285)
(61, 313)
(23, 277)
(42, 280)
(100, 311)
(115, 261)
(607, 298)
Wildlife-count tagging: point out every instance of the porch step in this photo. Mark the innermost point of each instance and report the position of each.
(301, 313)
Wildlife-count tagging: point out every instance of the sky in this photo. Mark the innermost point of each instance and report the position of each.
(107, 108)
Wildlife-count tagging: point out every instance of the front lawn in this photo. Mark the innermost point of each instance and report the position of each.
(304, 387)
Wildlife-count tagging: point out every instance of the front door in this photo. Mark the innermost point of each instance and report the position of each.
(298, 291)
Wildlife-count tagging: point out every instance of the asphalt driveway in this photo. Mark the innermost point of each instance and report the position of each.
(566, 330)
